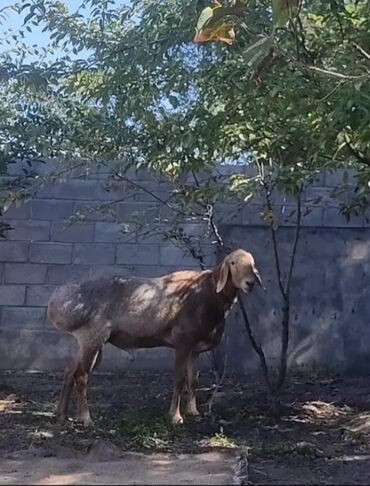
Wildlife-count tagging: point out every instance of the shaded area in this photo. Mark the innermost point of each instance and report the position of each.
(323, 435)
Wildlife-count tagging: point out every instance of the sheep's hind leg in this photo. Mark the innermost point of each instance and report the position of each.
(65, 394)
(90, 358)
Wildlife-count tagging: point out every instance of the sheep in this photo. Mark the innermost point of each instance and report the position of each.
(184, 310)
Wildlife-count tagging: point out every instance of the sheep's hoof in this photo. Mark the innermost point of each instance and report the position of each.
(192, 412)
(177, 419)
(61, 418)
(85, 419)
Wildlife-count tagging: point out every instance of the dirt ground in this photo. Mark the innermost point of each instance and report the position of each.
(322, 436)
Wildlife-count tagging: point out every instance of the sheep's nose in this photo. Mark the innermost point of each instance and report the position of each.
(248, 285)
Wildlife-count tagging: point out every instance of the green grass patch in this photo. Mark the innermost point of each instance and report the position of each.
(148, 428)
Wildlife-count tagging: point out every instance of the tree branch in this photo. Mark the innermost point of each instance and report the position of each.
(295, 243)
(257, 347)
(274, 242)
(286, 306)
(321, 70)
(362, 51)
(147, 191)
(359, 156)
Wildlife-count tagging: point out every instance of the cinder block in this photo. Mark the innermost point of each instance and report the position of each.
(171, 255)
(51, 209)
(151, 238)
(320, 196)
(23, 317)
(12, 294)
(15, 251)
(150, 190)
(29, 231)
(96, 212)
(114, 233)
(334, 218)
(77, 232)
(130, 211)
(61, 274)
(23, 212)
(17, 168)
(167, 215)
(111, 190)
(152, 271)
(138, 175)
(195, 229)
(48, 166)
(36, 350)
(337, 177)
(109, 270)
(88, 171)
(94, 254)
(319, 179)
(228, 214)
(47, 192)
(38, 295)
(51, 252)
(315, 217)
(250, 216)
(77, 189)
(25, 273)
(132, 254)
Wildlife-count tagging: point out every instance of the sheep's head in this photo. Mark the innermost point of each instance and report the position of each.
(240, 267)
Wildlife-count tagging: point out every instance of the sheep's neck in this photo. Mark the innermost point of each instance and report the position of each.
(228, 293)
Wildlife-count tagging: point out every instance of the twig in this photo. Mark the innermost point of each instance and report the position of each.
(286, 306)
(362, 51)
(274, 241)
(147, 191)
(360, 157)
(335, 74)
(295, 243)
(220, 380)
(336, 87)
(257, 347)
(321, 70)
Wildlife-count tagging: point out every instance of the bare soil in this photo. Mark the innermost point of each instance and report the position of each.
(322, 436)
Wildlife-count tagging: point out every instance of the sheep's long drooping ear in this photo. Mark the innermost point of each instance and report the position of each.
(224, 273)
(257, 275)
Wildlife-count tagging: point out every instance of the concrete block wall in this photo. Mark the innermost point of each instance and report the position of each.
(332, 276)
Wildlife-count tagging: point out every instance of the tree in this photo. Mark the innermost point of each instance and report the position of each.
(288, 96)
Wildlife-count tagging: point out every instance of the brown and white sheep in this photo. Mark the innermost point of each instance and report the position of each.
(184, 310)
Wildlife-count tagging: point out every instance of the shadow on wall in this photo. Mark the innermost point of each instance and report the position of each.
(330, 299)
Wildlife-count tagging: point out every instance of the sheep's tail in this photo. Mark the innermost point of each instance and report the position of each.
(67, 310)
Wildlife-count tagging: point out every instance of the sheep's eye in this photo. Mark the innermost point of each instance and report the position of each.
(232, 263)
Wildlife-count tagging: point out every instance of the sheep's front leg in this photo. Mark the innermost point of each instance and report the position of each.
(192, 375)
(180, 370)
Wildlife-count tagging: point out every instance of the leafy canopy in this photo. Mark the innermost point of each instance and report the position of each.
(128, 82)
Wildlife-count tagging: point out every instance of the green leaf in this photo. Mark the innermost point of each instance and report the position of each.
(204, 18)
(258, 49)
